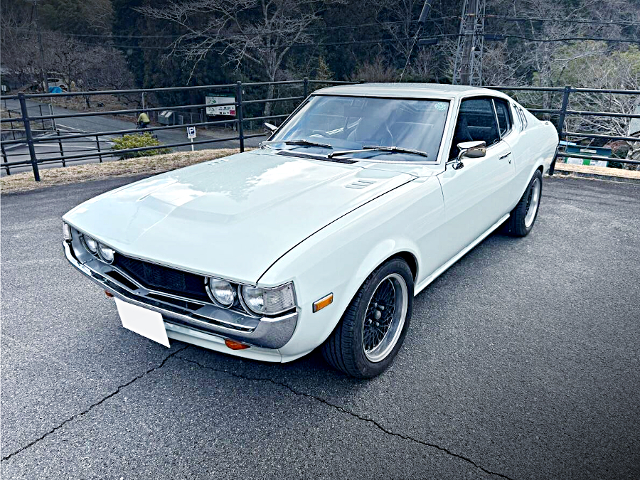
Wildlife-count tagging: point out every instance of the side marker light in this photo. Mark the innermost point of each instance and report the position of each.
(323, 302)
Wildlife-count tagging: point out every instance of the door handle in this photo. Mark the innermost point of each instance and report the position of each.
(504, 156)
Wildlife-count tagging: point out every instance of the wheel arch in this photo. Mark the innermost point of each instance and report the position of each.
(408, 257)
(368, 267)
(359, 280)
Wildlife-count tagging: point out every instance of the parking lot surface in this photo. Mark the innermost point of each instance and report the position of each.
(521, 362)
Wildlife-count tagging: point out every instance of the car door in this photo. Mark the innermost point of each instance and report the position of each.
(510, 132)
(477, 195)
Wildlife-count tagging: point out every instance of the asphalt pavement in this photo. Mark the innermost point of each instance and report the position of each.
(521, 362)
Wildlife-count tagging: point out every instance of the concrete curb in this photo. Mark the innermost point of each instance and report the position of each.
(598, 173)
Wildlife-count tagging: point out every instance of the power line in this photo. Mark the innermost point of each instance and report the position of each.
(429, 41)
(565, 20)
(424, 40)
(567, 39)
(362, 25)
(177, 35)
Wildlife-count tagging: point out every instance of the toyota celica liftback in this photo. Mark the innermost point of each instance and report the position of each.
(323, 235)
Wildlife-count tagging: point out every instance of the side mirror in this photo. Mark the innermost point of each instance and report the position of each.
(270, 128)
(475, 149)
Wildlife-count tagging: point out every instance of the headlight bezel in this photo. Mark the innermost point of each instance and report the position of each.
(269, 290)
(102, 256)
(84, 238)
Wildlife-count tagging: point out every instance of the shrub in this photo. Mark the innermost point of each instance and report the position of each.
(138, 140)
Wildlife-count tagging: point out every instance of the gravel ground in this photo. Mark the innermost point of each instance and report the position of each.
(522, 362)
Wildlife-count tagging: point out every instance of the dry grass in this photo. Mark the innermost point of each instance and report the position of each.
(22, 182)
(617, 174)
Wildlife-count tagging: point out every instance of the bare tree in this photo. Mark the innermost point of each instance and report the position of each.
(400, 23)
(261, 32)
(376, 71)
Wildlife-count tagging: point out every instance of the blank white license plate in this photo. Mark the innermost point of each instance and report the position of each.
(142, 321)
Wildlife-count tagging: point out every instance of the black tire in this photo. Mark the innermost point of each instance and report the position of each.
(345, 347)
(520, 223)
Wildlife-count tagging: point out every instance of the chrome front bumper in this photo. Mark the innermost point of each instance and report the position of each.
(263, 332)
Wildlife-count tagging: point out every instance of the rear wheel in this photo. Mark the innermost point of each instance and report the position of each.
(374, 325)
(524, 215)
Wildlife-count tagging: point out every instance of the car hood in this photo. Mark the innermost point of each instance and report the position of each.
(232, 217)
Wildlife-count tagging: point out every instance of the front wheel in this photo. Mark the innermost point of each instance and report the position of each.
(374, 325)
(523, 216)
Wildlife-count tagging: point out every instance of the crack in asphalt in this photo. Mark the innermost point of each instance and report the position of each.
(348, 412)
(92, 406)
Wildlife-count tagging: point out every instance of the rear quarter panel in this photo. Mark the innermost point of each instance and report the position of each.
(533, 147)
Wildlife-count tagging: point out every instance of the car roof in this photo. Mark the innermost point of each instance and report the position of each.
(407, 90)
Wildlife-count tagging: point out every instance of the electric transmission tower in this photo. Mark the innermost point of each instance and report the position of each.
(467, 69)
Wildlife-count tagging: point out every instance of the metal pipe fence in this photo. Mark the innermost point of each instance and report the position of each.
(559, 116)
(39, 142)
(46, 144)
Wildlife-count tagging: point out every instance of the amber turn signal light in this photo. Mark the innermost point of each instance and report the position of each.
(323, 302)
(233, 345)
(108, 294)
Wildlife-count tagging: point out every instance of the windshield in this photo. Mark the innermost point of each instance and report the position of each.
(355, 123)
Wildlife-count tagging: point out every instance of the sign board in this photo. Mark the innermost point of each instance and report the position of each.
(191, 132)
(599, 151)
(214, 109)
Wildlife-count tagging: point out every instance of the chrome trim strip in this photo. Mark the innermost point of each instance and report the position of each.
(262, 332)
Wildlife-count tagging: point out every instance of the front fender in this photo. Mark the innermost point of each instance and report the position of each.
(339, 258)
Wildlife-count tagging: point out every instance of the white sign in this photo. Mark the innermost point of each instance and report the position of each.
(228, 110)
(191, 132)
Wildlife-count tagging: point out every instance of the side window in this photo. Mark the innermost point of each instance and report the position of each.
(476, 121)
(523, 117)
(504, 117)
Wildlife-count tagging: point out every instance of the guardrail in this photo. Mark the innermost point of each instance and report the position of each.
(559, 115)
(290, 94)
(298, 91)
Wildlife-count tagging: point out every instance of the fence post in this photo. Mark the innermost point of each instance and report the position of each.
(98, 144)
(42, 119)
(64, 163)
(560, 126)
(28, 134)
(53, 120)
(305, 87)
(13, 130)
(239, 114)
(4, 159)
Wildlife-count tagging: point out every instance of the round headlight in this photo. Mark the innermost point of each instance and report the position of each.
(91, 244)
(222, 291)
(107, 254)
(254, 298)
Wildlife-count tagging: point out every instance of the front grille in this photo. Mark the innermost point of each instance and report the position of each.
(164, 279)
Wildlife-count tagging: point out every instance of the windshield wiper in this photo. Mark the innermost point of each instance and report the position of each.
(379, 148)
(301, 142)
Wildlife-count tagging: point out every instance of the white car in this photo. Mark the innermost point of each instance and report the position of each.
(323, 236)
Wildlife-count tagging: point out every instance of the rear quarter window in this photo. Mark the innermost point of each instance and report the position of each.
(504, 115)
